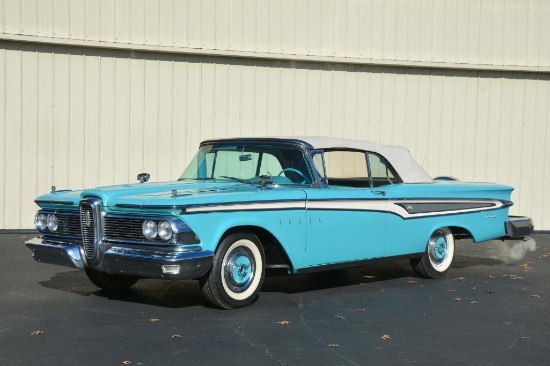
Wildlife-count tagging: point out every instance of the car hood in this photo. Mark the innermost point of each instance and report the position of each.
(178, 193)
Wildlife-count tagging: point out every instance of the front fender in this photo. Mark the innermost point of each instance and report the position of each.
(287, 226)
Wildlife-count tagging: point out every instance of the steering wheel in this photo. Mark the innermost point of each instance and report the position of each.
(294, 171)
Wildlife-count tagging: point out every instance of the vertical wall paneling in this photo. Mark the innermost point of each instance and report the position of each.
(167, 17)
(107, 26)
(151, 113)
(3, 136)
(78, 117)
(77, 114)
(182, 147)
(122, 21)
(181, 25)
(29, 119)
(400, 32)
(235, 24)
(29, 17)
(208, 102)
(78, 19)
(301, 38)
(221, 21)
(273, 98)
(107, 102)
(60, 114)
(340, 28)
(275, 26)
(248, 26)
(121, 135)
(137, 128)
(92, 127)
(2, 17)
(13, 134)
(328, 27)
(12, 16)
(152, 22)
(521, 41)
(312, 107)
(165, 123)
(261, 96)
(62, 18)
(136, 13)
(502, 32)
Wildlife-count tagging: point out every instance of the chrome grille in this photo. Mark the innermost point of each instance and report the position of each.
(123, 228)
(68, 224)
(90, 224)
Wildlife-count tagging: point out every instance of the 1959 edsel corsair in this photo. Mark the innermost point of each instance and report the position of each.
(244, 205)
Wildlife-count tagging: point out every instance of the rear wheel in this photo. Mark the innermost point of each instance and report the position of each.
(109, 281)
(237, 272)
(437, 259)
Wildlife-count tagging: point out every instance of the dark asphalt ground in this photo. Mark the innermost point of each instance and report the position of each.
(486, 312)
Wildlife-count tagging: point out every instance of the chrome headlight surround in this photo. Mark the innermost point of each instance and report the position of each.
(165, 230)
(52, 222)
(169, 231)
(40, 222)
(150, 229)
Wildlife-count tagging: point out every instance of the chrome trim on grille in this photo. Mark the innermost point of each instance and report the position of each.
(128, 229)
(68, 224)
(91, 225)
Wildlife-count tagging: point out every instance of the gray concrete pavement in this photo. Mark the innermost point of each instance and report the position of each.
(490, 310)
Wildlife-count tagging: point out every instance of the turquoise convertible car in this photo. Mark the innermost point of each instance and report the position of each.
(245, 205)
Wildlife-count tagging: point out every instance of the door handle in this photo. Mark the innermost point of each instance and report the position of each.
(379, 193)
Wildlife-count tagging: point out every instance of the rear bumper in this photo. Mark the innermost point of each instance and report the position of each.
(518, 227)
(183, 264)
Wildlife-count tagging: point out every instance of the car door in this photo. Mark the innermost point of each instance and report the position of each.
(347, 217)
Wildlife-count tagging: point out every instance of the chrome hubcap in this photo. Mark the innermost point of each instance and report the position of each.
(437, 248)
(239, 269)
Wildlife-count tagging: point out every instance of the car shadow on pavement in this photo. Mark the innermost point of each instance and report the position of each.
(169, 294)
(187, 293)
(292, 284)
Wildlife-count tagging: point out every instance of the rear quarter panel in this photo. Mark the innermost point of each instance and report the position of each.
(410, 235)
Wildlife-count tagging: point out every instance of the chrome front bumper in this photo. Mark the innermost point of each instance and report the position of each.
(189, 263)
(519, 227)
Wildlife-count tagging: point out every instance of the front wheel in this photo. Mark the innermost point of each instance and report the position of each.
(110, 282)
(237, 272)
(437, 259)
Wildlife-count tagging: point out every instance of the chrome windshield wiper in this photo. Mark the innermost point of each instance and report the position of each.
(246, 181)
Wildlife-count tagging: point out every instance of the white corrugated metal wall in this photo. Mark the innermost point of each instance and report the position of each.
(95, 92)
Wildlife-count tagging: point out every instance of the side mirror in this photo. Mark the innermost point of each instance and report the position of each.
(143, 177)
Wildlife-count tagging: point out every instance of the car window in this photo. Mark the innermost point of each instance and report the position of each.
(381, 171)
(232, 163)
(270, 165)
(347, 168)
(286, 164)
(319, 165)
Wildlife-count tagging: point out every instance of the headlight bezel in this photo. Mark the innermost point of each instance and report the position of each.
(149, 229)
(165, 230)
(52, 223)
(41, 221)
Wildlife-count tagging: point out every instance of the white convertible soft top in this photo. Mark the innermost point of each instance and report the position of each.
(399, 157)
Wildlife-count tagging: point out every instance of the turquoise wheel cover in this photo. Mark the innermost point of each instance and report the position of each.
(239, 269)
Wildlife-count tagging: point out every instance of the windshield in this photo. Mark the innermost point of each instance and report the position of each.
(246, 162)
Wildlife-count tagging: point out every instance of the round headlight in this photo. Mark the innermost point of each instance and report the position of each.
(165, 230)
(52, 222)
(149, 229)
(40, 222)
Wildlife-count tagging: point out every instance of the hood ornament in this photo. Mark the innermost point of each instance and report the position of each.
(143, 177)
